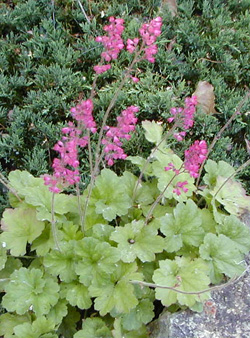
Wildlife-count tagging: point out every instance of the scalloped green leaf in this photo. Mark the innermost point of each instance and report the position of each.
(237, 232)
(11, 265)
(222, 257)
(37, 329)
(20, 226)
(116, 292)
(62, 263)
(109, 195)
(213, 170)
(45, 241)
(153, 131)
(133, 241)
(168, 179)
(9, 321)
(231, 195)
(30, 290)
(94, 328)
(3, 256)
(183, 274)
(58, 312)
(183, 227)
(97, 259)
(143, 313)
(69, 323)
(76, 294)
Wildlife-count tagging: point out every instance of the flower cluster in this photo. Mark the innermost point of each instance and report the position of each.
(180, 186)
(194, 157)
(112, 140)
(149, 33)
(66, 168)
(83, 112)
(112, 43)
(184, 117)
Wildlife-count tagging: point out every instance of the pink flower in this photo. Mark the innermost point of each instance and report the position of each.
(101, 69)
(184, 117)
(194, 157)
(112, 140)
(83, 112)
(149, 33)
(112, 43)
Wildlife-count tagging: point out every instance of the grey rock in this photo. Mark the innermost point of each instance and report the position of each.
(226, 316)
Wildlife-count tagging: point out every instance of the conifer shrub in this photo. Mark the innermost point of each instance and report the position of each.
(48, 48)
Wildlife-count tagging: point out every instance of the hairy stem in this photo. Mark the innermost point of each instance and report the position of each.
(172, 288)
(244, 165)
(156, 202)
(53, 222)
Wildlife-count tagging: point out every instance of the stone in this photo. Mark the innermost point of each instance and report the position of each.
(226, 315)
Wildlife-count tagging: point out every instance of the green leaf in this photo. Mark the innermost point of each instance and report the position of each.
(76, 294)
(11, 265)
(96, 259)
(183, 227)
(133, 241)
(94, 328)
(182, 274)
(3, 256)
(20, 227)
(71, 231)
(153, 131)
(36, 330)
(143, 313)
(168, 178)
(238, 232)
(222, 257)
(62, 262)
(208, 222)
(214, 170)
(109, 195)
(231, 195)
(58, 312)
(9, 321)
(102, 232)
(116, 292)
(45, 241)
(69, 323)
(30, 290)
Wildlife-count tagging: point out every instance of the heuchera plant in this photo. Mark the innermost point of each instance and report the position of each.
(92, 264)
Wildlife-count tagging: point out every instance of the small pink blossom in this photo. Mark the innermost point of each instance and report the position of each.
(101, 69)
(194, 157)
(113, 139)
(83, 112)
(112, 42)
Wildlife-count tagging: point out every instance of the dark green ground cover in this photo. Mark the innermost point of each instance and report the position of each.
(48, 49)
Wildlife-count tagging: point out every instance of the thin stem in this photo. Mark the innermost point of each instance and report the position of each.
(149, 158)
(53, 222)
(83, 11)
(218, 135)
(236, 172)
(172, 288)
(98, 153)
(79, 206)
(153, 206)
